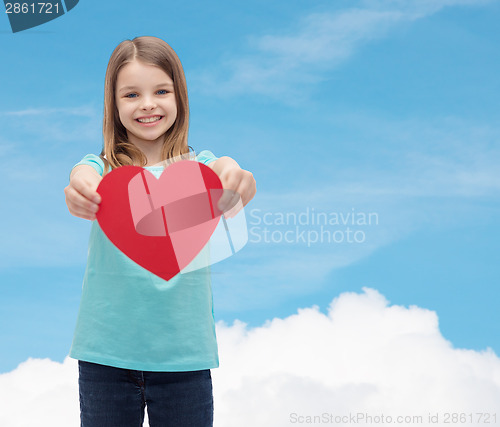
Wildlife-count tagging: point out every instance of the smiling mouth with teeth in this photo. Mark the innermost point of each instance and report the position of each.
(150, 119)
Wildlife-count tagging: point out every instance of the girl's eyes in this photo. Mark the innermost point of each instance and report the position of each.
(161, 90)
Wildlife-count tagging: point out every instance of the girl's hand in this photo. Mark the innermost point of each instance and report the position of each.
(239, 182)
(81, 195)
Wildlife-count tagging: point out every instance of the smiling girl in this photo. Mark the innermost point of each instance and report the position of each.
(142, 341)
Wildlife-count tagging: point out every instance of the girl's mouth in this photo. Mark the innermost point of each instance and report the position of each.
(149, 121)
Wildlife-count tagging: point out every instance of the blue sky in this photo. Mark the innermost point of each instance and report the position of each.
(384, 106)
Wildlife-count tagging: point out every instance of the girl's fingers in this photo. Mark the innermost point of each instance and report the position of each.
(224, 203)
(82, 211)
(79, 205)
(231, 213)
(225, 200)
(86, 190)
(232, 202)
(247, 190)
(81, 195)
(82, 214)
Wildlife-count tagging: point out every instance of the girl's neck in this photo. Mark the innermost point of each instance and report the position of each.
(149, 163)
(151, 149)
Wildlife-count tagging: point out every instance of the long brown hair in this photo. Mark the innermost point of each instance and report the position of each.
(117, 151)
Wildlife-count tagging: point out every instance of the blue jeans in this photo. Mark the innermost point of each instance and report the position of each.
(115, 397)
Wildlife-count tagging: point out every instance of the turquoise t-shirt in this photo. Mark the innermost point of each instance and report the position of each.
(130, 318)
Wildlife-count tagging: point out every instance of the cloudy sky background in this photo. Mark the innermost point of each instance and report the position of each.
(385, 107)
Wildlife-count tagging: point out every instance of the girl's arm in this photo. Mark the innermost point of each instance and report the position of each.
(81, 195)
(235, 179)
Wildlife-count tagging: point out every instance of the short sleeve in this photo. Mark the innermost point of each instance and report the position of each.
(206, 157)
(94, 161)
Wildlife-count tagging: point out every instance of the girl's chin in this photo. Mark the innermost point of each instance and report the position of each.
(146, 135)
(138, 139)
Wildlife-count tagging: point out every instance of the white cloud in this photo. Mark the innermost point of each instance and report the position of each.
(399, 158)
(439, 156)
(51, 128)
(419, 8)
(363, 356)
(84, 111)
(319, 42)
(40, 392)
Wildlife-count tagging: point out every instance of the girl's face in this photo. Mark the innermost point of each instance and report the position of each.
(146, 104)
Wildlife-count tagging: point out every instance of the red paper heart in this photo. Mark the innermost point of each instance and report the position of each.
(161, 224)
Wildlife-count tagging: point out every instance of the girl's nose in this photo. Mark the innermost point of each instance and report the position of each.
(148, 104)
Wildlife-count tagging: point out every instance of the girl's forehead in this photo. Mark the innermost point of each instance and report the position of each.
(137, 69)
(141, 72)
